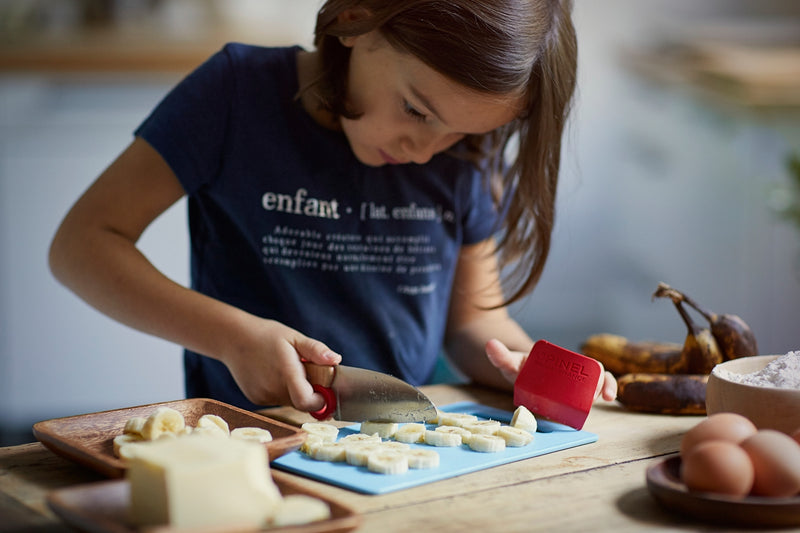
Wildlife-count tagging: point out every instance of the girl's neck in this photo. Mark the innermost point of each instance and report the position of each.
(308, 71)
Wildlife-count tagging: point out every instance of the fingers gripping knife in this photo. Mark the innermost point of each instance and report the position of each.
(358, 395)
(558, 384)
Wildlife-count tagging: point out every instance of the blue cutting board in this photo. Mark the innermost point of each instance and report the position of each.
(550, 437)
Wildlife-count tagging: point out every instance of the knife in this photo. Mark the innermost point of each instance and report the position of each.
(358, 395)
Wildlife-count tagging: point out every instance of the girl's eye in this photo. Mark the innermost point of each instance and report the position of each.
(413, 113)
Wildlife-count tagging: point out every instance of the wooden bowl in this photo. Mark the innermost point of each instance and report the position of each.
(767, 407)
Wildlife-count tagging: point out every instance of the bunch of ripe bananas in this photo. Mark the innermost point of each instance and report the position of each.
(670, 378)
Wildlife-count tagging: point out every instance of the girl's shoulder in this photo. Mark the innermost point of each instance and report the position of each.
(239, 69)
(247, 54)
(252, 60)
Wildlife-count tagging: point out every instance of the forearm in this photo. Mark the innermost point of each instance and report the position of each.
(107, 271)
(466, 348)
(94, 254)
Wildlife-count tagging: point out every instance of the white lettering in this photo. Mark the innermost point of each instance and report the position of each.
(300, 204)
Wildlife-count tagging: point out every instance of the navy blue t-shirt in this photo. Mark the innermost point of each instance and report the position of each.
(287, 224)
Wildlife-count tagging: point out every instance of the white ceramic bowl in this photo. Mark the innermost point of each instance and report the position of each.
(767, 407)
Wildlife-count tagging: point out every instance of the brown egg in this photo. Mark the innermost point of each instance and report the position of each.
(729, 427)
(717, 466)
(776, 463)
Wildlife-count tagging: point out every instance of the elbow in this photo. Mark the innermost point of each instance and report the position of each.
(55, 259)
(59, 255)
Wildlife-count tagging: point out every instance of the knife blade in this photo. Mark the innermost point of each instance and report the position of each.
(359, 395)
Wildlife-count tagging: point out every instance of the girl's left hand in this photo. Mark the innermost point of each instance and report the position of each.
(509, 364)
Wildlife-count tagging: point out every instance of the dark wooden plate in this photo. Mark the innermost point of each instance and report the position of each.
(102, 507)
(88, 439)
(664, 483)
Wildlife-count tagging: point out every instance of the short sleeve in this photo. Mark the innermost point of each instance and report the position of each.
(481, 218)
(188, 127)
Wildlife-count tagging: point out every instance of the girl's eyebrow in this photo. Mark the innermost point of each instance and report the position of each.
(421, 97)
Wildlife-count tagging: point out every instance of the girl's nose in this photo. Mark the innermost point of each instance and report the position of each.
(419, 148)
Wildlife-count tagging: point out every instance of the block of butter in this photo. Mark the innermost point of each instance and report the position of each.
(201, 481)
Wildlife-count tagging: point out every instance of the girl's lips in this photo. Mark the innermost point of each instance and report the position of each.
(386, 157)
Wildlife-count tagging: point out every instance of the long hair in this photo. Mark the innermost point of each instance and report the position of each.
(504, 47)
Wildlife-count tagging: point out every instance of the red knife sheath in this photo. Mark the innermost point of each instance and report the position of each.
(557, 384)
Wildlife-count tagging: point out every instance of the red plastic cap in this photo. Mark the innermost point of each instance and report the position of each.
(558, 384)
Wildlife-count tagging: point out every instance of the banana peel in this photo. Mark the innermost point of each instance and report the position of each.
(667, 377)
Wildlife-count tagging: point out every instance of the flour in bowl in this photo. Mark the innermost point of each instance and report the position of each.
(783, 373)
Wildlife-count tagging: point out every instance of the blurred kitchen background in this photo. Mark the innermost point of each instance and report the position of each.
(676, 169)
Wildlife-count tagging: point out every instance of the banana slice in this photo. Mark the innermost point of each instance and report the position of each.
(385, 430)
(120, 442)
(164, 420)
(311, 439)
(395, 446)
(483, 427)
(334, 452)
(252, 433)
(358, 455)
(213, 422)
(456, 419)
(298, 509)
(135, 425)
(388, 462)
(411, 433)
(465, 433)
(524, 419)
(419, 459)
(514, 437)
(209, 430)
(358, 438)
(487, 443)
(328, 432)
(441, 438)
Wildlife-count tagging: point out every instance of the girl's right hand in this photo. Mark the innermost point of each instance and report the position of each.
(266, 364)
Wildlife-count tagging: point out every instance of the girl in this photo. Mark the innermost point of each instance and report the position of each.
(343, 200)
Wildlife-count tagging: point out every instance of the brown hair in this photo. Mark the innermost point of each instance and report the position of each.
(516, 47)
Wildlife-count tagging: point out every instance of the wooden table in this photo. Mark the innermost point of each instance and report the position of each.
(595, 487)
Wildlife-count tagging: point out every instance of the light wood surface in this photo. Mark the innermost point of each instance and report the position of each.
(595, 487)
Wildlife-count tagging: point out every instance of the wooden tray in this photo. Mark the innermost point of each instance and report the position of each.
(663, 481)
(102, 508)
(87, 439)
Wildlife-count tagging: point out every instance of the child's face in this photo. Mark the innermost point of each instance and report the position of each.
(410, 112)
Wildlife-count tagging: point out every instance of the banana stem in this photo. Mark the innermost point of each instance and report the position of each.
(685, 316)
(708, 315)
(665, 291)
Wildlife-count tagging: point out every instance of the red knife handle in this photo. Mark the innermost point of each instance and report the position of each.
(321, 378)
(330, 403)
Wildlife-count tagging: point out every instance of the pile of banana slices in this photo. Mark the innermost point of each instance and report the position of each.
(166, 422)
(385, 447)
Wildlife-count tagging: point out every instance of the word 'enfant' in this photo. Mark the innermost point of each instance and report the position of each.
(300, 204)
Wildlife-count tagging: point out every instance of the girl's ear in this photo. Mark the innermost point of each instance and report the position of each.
(348, 16)
(348, 42)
